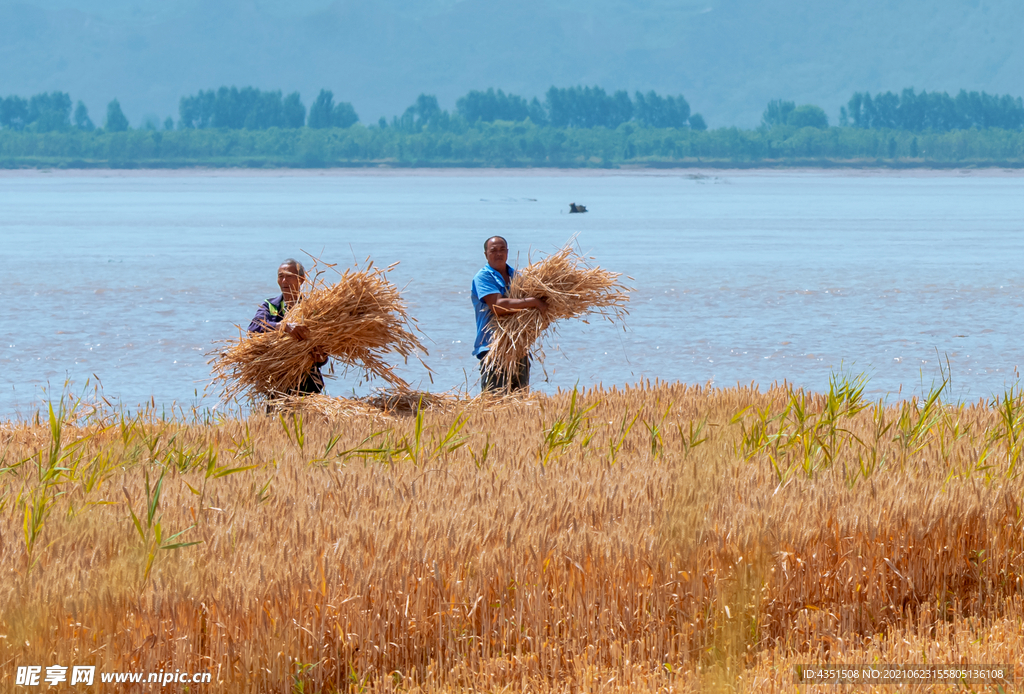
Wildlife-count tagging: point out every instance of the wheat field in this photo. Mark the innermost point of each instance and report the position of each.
(661, 537)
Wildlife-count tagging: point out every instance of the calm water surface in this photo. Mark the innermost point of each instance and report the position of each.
(739, 276)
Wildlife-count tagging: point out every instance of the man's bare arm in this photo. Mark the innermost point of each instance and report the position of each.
(296, 330)
(501, 306)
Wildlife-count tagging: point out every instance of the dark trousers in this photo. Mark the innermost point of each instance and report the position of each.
(494, 380)
(312, 383)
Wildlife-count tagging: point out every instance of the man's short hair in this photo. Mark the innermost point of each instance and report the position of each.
(293, 263)
(491, 239)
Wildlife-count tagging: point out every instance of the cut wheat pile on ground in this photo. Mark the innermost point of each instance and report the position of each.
(358, 320)
(395, 402)
(571, 289)
(649, 539)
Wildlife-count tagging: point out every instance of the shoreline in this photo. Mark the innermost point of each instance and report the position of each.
(694, 172)
(326, 405)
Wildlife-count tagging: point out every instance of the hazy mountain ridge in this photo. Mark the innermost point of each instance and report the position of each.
(728, 57)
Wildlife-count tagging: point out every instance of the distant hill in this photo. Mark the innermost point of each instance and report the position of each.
(728, 57)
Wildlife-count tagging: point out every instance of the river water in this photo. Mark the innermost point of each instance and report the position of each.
(131, 277)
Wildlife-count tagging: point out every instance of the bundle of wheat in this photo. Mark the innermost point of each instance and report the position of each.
(570, 288)
(390, 403)
(325, 406)
(408, 402)
(357, 320)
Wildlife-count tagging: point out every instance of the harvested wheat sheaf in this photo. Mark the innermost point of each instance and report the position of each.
(357, 320)
(401, 402)
(396, 402)
(570, 287)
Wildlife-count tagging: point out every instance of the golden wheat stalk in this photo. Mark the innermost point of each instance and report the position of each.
(727, 537)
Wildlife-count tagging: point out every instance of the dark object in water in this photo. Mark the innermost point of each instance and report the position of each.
(573, 207)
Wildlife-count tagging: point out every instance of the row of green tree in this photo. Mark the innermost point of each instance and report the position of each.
(924, 112)
(933, 111)
(579, 107)
(503, 143)
(45, 113)
(574, 107)
(237, 109)
(252, 109)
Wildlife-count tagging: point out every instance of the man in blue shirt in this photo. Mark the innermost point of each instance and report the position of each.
(489, 294)
(270, 316)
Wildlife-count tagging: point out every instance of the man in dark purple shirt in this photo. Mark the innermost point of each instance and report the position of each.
(270, 316)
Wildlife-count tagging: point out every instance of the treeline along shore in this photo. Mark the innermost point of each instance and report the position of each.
(572, 127)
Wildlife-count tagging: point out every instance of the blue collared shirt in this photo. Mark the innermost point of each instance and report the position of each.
(486, 282)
